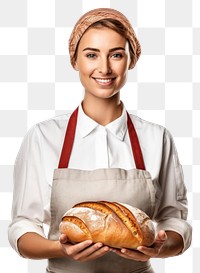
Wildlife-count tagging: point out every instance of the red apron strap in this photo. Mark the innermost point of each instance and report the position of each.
(137, 153)
(69, 140)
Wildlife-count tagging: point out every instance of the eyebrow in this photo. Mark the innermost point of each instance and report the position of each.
(97, 50)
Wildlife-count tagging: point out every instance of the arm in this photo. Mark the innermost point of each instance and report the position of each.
(172, 246)
(172, 211)
(33, 246)
(31, 197)
(31, 190)
(173, 231)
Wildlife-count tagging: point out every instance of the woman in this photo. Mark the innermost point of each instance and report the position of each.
(106, 155)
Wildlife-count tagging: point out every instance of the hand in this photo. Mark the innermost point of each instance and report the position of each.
(144, 253)
(84, 251)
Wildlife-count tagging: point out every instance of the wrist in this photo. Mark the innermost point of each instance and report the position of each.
(172, 246)
(56, 250)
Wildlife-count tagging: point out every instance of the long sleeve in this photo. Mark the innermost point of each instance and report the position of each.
(31, 191)
(172, 210)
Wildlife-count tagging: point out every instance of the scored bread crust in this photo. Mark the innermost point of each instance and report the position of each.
(72, 226)
(114, 224)
(127, 218)
(144, 222)
(115, 234)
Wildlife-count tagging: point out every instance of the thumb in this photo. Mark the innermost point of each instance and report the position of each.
(162, 236)
(63, 239)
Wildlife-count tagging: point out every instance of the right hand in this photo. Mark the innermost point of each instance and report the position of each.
(84, 251)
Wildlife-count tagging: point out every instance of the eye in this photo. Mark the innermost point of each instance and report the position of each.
(91, 55)
(117, 55)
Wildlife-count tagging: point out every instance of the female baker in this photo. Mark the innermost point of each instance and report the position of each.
(99, 153)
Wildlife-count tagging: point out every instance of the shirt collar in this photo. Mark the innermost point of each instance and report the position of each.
(117, 127)
(84, 123)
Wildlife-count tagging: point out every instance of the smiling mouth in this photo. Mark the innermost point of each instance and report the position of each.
(106, 81)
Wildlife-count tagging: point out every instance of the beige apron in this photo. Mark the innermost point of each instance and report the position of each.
(70, 186)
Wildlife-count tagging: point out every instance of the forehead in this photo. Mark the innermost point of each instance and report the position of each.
(102, 37)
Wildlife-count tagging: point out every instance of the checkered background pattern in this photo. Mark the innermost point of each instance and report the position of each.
(37, 83)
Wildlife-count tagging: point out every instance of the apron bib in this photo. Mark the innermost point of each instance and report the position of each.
(70, 186)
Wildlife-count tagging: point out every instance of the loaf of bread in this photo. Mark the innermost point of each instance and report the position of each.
(114, 224)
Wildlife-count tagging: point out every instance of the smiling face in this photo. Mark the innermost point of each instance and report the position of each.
(102, 61)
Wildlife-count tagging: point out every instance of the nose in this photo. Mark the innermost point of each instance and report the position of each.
(104, 66)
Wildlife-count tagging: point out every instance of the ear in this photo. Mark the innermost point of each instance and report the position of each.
(76, 66)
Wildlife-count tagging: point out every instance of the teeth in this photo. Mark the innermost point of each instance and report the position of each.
(104, 80)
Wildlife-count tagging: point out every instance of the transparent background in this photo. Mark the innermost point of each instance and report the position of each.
(37, 83)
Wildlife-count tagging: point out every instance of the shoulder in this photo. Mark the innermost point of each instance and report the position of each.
(142, 125)
(57, 122)
(50, 126)
(46, 131)
(153, 133)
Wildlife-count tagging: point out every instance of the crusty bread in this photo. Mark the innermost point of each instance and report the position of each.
(114, 224)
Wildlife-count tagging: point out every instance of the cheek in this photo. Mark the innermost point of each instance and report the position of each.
(122, 70)
(86, 68)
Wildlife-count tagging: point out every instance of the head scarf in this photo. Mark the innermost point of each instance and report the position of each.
(94, 16)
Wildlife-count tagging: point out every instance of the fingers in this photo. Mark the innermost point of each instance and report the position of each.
(150, 252)
(161, 236)
(155, 249)
(84, 251)
(131, 254)
(93, 252)
(143, 253)
(63, 239)
(72, 250)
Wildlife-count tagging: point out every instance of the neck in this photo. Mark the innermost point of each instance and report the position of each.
(103, 111)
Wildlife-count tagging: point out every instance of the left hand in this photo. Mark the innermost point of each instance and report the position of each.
(144, 253)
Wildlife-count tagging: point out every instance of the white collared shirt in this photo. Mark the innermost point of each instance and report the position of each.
(107, 142)
(95, 147)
